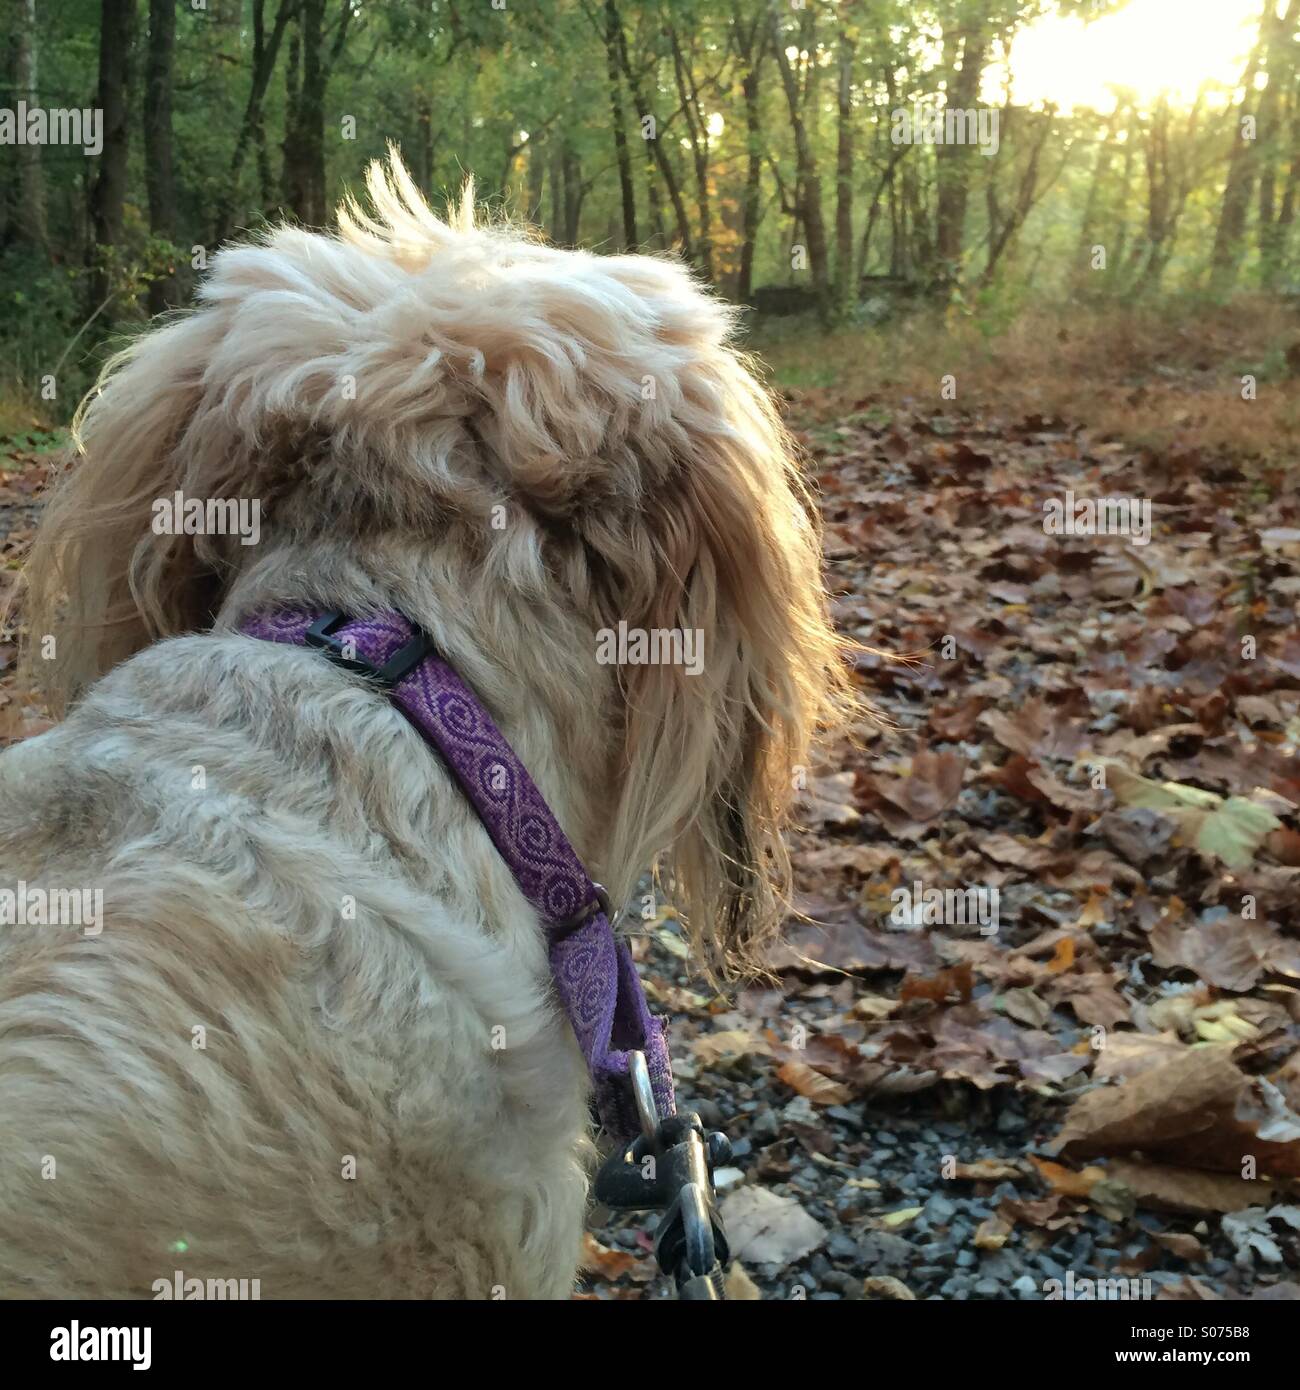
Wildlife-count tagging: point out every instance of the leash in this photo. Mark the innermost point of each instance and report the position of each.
(669, 1165)
(669, 1168)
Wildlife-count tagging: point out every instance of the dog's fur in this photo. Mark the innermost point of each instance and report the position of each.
(517, 446)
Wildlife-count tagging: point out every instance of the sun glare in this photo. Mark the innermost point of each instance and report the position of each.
(1150, 46)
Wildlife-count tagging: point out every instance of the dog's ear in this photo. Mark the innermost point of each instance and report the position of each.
(99, 580)
(728, 547)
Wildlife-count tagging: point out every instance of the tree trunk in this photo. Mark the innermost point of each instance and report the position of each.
(809, 196)
(573, 195)
(844, 288)
(1240, 180)
(292, 90)
(1280, 68)
(698, 135)
(29, 218)
(266, 49)
(656, 155)
(536, 179)
(159, 179)
(424, 146)
(305, 138)
(556, 219)
(613, 34)
(108, 194)
(751, 202)
(952, 165)
(1100, 171)
(1004, 231)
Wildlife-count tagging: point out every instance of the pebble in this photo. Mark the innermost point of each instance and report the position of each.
(710, 1114)
(881, 1252)
(724, 1179)
(938, 1208)
(765, 1128)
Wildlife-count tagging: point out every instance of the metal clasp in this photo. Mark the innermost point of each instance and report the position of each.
(690, 1243)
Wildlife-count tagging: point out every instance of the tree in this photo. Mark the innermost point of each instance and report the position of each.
(845, 289)
(304, 140)
(29, 220)
(751, 42)
(614, 40)
(966, 47)
(808, 203)
(108, 193)
(158, 175)
(266, 50)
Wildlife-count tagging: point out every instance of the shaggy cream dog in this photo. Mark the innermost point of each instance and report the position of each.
(313, 1041)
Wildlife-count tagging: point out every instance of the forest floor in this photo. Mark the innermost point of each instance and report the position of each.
(1099, 1095)
(1093, 1090)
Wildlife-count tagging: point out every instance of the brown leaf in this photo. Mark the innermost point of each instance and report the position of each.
(1020, 854)
(1185, 1246)
(1065, 1182)
(1231, 952)
(988, 1170)
(711, 1048)
(819, 1089)
(601, 1260)
(955, 980)
(1284, 846)
(992, 1233)
(828, 800)
(934, 784)
(885, 1286)
(1037, 731)
(1198, 1109)
(1163, 1187)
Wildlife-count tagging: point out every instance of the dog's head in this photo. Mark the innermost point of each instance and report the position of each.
(466, 371)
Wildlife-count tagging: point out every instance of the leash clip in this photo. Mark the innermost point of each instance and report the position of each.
(669, 1167)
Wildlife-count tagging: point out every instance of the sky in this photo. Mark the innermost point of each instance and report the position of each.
(1150, 46)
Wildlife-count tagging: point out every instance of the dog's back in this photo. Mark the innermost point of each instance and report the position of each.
(291, 1049)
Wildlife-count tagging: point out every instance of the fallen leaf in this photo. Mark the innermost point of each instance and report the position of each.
(819, 1089)
(885, 1286)
(992, 1233)
(766, 1228)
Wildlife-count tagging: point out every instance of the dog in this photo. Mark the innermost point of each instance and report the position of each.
(313, 1040)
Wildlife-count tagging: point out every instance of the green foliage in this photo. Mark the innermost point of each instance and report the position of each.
(523, 98)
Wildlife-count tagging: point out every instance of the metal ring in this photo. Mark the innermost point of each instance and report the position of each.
(698, 1254)
(643, 1093)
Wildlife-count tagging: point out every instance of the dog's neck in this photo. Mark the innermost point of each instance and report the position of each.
(532, 664)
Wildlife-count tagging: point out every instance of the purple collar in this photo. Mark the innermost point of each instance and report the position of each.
(593, 971)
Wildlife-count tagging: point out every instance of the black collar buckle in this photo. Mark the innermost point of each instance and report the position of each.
(323, 635)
